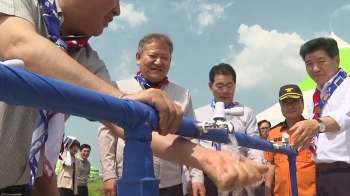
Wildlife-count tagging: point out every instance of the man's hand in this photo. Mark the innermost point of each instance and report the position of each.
(304, 131)
(256, 185)
(170, 114)
(43, 187)
(110, 187)
(196, 189)
(229, 174)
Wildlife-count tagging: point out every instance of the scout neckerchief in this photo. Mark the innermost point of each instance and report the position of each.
(217, 145)
(319, 103)
(47, 121)
(144, 82)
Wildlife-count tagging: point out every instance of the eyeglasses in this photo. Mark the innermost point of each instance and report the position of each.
(221, 87)
(265, 129)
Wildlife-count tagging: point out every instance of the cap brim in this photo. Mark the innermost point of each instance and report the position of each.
(291, 96)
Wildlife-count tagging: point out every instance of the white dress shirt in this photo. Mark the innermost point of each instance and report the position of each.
(246, 124)
(169, 173)
(334, 146)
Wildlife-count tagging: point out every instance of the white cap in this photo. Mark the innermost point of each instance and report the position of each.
(68, 141)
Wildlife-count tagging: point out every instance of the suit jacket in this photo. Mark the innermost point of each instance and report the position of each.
(65, 177)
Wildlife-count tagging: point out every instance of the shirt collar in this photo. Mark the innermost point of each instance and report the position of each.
(285, 125)
(328, 83)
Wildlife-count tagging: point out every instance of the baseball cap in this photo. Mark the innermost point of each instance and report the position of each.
(290, 91)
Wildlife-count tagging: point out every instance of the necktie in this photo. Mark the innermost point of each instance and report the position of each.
(316, 99)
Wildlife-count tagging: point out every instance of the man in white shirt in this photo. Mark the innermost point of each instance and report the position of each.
(326, 134)
(154, 58)
(222, 82)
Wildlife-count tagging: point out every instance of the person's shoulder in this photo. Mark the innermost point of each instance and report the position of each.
(246, 108)
(25, 9)
(177, 88)
(276, 128)
(203, 108)
(248, 111)
(347, 80)
(125, 81)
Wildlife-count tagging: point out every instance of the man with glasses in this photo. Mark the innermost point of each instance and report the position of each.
(264, 129)
(222, 82)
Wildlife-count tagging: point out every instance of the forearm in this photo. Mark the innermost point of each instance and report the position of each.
(117, 131)
(43, 187)
(171, 147)
(196, 175)
(177, 149)
(269, 178)
(106, 143)
(43, 57)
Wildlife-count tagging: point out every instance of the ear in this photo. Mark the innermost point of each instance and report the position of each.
(138, 57)
(302, 103)
(337, 60)
(210, 86)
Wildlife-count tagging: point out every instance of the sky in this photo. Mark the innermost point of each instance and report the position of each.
(259, 39)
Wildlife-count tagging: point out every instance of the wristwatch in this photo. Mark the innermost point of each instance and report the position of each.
(322, 126)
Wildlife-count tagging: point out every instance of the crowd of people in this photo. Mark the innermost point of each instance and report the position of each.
(51, 38)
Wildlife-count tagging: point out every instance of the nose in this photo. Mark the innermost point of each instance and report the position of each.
(290, 106)
(315, 68)
(158, 61)
(116, 10)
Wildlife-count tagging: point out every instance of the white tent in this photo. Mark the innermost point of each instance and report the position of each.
(273, 113)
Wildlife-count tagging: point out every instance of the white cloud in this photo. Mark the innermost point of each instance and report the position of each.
(268, 60)
(345, 7)
(195, 91)
(129, 16)
(124, 69)
(205, 14)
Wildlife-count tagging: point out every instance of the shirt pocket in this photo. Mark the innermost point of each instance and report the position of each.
(304, 156)
(67, 175)
(280, 158)
(67, 172)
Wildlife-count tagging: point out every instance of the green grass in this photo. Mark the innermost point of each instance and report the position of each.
(95, 188)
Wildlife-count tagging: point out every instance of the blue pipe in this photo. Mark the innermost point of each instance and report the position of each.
(292, 161)
(54, 95)
(138, 174)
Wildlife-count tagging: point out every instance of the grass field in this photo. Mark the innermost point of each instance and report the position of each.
(95, 188)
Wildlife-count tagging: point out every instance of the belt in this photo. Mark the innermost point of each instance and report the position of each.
(332, 166)
(20, 190)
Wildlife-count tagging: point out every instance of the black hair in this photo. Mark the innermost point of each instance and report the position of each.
(85, 146)
(327, 44)
(224, 69)
(264, 121)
